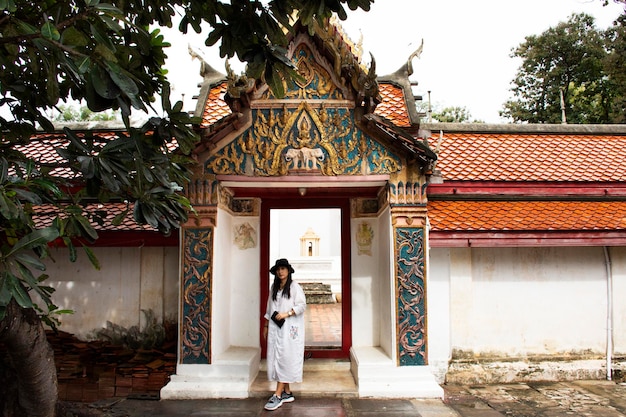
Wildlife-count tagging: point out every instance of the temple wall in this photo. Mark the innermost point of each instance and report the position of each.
(386, 285)
(372, 291)
(525, 304)
(439, 309)
(131, 279)
(236, 288)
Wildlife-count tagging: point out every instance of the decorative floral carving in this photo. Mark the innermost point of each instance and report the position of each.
(196, 289)
(409, 250)
(281, 140)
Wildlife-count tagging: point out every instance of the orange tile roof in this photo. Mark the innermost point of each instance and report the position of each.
(47, 213)
(215, 107)
(42, 148)
(527, 215)
(393, 105)
(530, 157)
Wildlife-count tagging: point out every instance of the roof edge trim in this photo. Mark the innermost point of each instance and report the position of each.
(613, 129)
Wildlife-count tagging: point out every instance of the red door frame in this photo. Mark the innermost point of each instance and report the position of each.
(305, 203)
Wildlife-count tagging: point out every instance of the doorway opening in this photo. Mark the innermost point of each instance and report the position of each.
(311, 240)
(315, 238)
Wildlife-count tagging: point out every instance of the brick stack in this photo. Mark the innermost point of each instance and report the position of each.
(91, 371)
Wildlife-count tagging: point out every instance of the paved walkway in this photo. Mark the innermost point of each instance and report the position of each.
(579, 398)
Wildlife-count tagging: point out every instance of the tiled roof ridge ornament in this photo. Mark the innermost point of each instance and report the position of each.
(400, 78)
(416, 54)
(365, 85)
(206, 71)
(355, 48)
(238, 85)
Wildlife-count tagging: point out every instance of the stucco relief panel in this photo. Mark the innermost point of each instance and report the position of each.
(196, 290)
(411, 331)
(244, 236)
(306, 138)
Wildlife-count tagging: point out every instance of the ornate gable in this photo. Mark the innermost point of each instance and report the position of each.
(313, 129)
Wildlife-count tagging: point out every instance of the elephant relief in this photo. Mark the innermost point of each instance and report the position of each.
(304, 158)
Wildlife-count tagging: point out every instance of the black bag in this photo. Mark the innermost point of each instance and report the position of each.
(279, 323)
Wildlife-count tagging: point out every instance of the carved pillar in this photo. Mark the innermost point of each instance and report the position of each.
(407, 199)
(410, 283)
(196, 287)
(196, 254)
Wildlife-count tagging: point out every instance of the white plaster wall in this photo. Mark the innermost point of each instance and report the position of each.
(438, 311)
(618, 271)
(386, 285)
(236, 287)
(222, 284)
(245, 289)
(130, 279)
(508, 302)
(365, 287)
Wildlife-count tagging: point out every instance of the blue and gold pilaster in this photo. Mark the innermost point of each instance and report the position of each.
(197, 284)
(410, 284)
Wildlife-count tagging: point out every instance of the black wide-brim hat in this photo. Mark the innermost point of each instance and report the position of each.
(281, 262)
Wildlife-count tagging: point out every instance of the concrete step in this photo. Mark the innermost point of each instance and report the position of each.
(326, 378)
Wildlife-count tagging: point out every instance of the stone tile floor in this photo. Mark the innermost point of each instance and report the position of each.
(548, 399)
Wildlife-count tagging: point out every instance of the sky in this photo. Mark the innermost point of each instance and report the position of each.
(465, 61)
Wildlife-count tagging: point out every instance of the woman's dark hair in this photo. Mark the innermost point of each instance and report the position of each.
(276, 287)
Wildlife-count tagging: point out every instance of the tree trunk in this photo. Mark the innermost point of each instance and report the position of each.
(31, 361)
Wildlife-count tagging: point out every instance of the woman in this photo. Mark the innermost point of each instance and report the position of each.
(284, 333)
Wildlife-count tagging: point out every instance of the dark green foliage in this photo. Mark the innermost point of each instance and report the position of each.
(568, 63)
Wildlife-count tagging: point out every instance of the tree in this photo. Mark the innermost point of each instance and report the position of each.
(69, 113)
(564, 61)
(449, 114)
(454, 114)
(106, 54)
(614, 65)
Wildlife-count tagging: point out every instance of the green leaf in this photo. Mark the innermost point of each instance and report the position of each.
(87, 227)
(28, 196)
(28, 277)
(72, 249)
(48, 186)
(29, 261)
(8, 209)
(75, 140)
(165, 97)
(4, 170)
(87, 166)
(83, 64)
(103, 84)
(36, 238)
(274, 81)
(106, 7)
(118, 219)
(92, 257)
(122, 80)
(5, 293)
(49, 31)
(74, 37)
(18, 292)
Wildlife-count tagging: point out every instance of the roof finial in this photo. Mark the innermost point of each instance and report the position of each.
(415, 54)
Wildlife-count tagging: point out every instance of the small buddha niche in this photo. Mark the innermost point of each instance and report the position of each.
(309, 244)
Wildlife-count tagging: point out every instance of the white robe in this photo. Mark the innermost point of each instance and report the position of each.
(285, 345)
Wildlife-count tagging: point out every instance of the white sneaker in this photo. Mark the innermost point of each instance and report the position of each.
(287, 398)
(273, 403)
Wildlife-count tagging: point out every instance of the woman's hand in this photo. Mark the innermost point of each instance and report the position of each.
(281, 316)
(264, 332)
